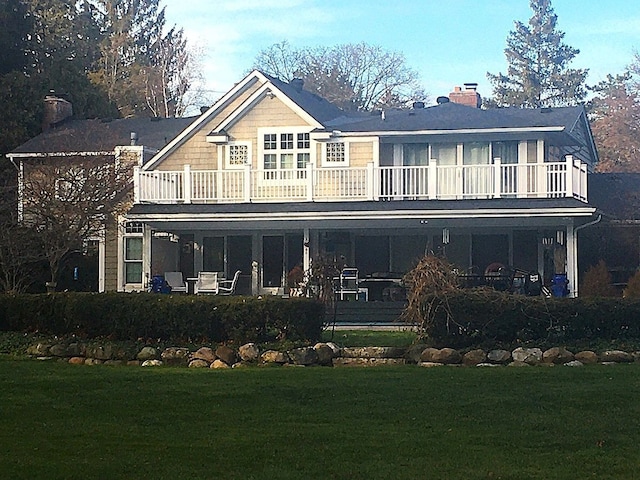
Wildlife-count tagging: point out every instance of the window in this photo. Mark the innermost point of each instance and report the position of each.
(133, 252)
(336, 153)
(238, 155)
(475, 153)
(287, 150)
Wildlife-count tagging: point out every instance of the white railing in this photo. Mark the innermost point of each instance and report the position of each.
(445, 182)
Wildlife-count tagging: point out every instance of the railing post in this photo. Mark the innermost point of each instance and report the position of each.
(186, 184)
(310, 168)
(432, 179)
(569, 176)
(497, 177)
(247, 183)
(136, 184)
(371, 182)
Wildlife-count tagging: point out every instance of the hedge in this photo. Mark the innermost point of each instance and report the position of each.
(123, 316)
(464, 318)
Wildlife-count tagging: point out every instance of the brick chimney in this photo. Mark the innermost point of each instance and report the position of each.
(469, 96)
(56, 109)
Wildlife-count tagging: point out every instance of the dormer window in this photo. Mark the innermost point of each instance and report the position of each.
(285, 148)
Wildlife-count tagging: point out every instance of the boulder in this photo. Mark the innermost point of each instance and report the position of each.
(574, 363)
(531, 356)
(303, 356)
(198, 363)
(519, 363)
(486, 364)
(448, 356)
(59, 350)
(147, 353)
(428, 354)
(76, 360)
(205, 353)
(337, 351)
(114, 363)
(474, 357)
(274, 356)
(93, 361)
(100, 352)
(366, 362)
(413, 353)
(430, 364)
(499, 356)
(217, 363)
(175, 356)
(324, 352)
(587, 357)
(557, 355)
(152, 363)
(249, 352)
(226, 354)
(133, 363)
(617, 356)
(373, 352)
(39, 349)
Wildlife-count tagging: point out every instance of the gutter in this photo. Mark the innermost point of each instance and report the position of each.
(588, 224)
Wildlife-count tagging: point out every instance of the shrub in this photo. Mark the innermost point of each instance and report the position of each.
(633, 287)
(597, 282)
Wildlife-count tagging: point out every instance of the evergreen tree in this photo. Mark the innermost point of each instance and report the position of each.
(538, 73)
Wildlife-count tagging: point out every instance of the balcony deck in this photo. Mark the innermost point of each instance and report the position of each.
(567, 179)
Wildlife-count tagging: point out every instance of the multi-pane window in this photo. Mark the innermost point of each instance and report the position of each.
(303, 140)
(238, 155)
(270, 142)
(285, 150)
(133, 244)
(335, 153)
(286, 141)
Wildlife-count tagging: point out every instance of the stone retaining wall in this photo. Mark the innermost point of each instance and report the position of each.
(322, 354)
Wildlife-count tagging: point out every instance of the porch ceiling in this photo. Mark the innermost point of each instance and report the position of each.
(499, 213)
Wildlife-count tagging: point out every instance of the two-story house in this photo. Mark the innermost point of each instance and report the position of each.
(272, 176)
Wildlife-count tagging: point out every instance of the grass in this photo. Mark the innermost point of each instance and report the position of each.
(367, 338)
(59, 421)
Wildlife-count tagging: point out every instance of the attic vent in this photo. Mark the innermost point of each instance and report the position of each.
(297, 84)
(545, 110)
(441, 100)
(417, 105)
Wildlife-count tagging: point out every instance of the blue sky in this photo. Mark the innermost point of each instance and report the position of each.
(448, 42)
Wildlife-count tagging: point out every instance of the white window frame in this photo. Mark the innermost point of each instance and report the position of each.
(228, 155)
(279, 151)
(132, 230)
(332, 163)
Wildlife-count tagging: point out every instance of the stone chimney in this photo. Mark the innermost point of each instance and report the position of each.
(469, 96)
(56, 109)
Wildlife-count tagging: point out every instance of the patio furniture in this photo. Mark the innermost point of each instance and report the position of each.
(175, 281)
(228, 287)
(207, 283)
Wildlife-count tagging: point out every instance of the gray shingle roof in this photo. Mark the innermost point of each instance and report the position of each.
(103, 135)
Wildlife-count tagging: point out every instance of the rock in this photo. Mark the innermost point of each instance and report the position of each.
(337, 351)
(198, 363)
(76, 349)
(519, 363)
(617, 356)
(586, 357)
(133, 363)
(152, 363)
(40, 349)
(636, 356)
(324, 352)
(448, 356)
(175, 356)
(273, 356)
(205, 353)
(147, 353)
(100, 352)
(430, 364)
(58, 350)
(474, 357)
(485, 364)
(574, 363)
(557, 355)
(373, 352)
(414, 352)
(531, 356)
(303, 356)
(226, 354)
(76, 360)
(114, 363)
(249, 352)
(93, 361)
(217, 363)
(499, 356)
(366, 362)
(428, 354)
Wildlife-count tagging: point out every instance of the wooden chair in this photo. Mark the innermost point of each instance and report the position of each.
(228, 287)
(207, 283)
(175, 281)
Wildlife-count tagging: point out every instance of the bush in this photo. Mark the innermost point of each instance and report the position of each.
(167, 317)
(597, 282)
(633, 287)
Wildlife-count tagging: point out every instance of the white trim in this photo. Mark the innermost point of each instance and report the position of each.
(277, 131)
(404, 133)
(63, 154)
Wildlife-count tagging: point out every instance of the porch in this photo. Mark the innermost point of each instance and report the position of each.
(567, 179)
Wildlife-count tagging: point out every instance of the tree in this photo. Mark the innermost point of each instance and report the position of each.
(615, 122)
(538, 73)
(68, 200)
(352, 76)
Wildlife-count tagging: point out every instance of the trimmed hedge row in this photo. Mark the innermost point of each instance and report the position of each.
(464, 318)
(124, 316)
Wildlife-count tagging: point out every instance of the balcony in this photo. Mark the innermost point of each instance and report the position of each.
(567, 179)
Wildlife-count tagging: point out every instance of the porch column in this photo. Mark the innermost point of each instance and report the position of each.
(497, 177)
(186, 183)
(247, 183)
(256, 249)
(136, 184)
(306, 250)
(568, 176)
(572, 261)
(432, 179)
(371, 182)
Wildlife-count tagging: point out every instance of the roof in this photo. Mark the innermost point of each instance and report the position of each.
(453, 116)
(617, 195)
(104, 135)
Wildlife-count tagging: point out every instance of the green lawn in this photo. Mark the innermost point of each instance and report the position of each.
(59, 421)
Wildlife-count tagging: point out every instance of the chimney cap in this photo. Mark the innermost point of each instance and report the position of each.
(471, 86)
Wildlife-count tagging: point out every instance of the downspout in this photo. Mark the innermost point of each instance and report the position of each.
(575, 232)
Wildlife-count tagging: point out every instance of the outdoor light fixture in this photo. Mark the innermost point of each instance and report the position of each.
(445, 236)
(547, 241)
(560, 237)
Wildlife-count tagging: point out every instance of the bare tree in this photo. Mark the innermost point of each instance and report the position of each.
(68, 200)
(353, 76)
